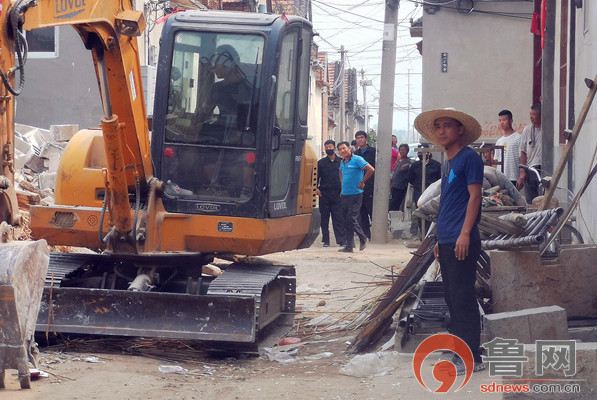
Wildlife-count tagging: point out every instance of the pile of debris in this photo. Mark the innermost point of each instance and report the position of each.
(37, 155)
(504, 224)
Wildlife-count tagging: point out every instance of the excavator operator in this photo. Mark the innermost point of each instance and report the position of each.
(227, 109)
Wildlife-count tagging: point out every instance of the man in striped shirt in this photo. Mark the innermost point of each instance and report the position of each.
(511, 142)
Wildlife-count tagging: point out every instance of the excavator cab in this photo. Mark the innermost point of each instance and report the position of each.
(230, 113)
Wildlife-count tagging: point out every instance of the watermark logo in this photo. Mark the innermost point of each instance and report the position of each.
(506, 356)
(506, 359)
(444, 371)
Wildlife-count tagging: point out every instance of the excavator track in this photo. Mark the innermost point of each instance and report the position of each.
(232, 311)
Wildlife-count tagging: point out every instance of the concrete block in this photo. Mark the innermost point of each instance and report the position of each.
(63, 132)
(37, 137)
(51, 153)
(20, 160)
(36, 164)
(521, 280)
(22, 144)
(527, 326)
(585, 377)
(47, 180)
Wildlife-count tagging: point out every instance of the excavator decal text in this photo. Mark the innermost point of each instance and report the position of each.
(281, 205)
(69, 8)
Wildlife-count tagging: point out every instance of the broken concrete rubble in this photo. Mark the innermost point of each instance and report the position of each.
(37, 156)
(51, 153)
(63, 132)
(47, 180)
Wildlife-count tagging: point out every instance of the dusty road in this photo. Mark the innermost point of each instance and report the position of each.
(114, 370)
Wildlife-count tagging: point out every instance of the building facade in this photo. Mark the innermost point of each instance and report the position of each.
(478, 62)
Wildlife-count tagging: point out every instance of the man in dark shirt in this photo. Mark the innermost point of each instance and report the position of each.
(458, 239)
(415, 177)
(433, 172)
(368, 153)
(328, 190)
(399, 182)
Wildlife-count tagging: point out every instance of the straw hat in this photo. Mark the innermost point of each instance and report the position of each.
(424, 123)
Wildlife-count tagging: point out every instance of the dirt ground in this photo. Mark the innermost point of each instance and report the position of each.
(337, 285)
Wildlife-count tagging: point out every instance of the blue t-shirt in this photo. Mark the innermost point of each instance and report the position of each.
(464, 169)
(352, 175)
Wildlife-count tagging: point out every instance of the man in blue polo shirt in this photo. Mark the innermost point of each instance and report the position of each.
(354, 172)
(458, 240)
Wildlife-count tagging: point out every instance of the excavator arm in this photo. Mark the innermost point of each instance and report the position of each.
(109, 30)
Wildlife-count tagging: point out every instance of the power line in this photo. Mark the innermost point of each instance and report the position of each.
(319, 4)
(472, 9)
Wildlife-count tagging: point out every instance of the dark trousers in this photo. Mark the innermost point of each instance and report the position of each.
(416, 224)
(331, 205)
(459, 278)
(397, 199)
(351, 205)
(366, 214)
(532, 185)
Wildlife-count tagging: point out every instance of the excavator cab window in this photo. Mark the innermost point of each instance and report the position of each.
(211, 120)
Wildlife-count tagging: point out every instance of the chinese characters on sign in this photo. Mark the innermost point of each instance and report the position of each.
(444, 62)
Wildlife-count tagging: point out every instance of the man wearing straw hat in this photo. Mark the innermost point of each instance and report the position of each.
(458, 240)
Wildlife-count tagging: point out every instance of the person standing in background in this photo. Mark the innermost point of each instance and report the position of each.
(415, 173)
(328, 190)
(531, 155)
(394, 158)
(400, 178)
(394, 142)
(369, 154)
(511, 142)
(354, 172)
(415, 178)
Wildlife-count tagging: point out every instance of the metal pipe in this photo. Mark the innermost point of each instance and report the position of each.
(103, 83)
(537, 225)
(142, 283)
(512, 242)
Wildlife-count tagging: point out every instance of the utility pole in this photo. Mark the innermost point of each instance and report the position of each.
(381, 192)
(343, 135)
(408, 110)
(548, 103)
(364, 84)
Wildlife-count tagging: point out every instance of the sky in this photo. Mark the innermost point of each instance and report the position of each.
(358, 25)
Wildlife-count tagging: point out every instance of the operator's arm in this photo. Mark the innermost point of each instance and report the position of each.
(472, 210)
(522, 174)
(369, 170)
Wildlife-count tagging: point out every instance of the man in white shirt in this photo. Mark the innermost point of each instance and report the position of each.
(511, 142)
(531, 154)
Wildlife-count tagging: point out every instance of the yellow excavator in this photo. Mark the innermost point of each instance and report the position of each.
(225, 170)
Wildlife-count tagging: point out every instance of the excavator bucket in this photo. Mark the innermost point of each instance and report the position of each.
(230, 309)
(22, 272)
